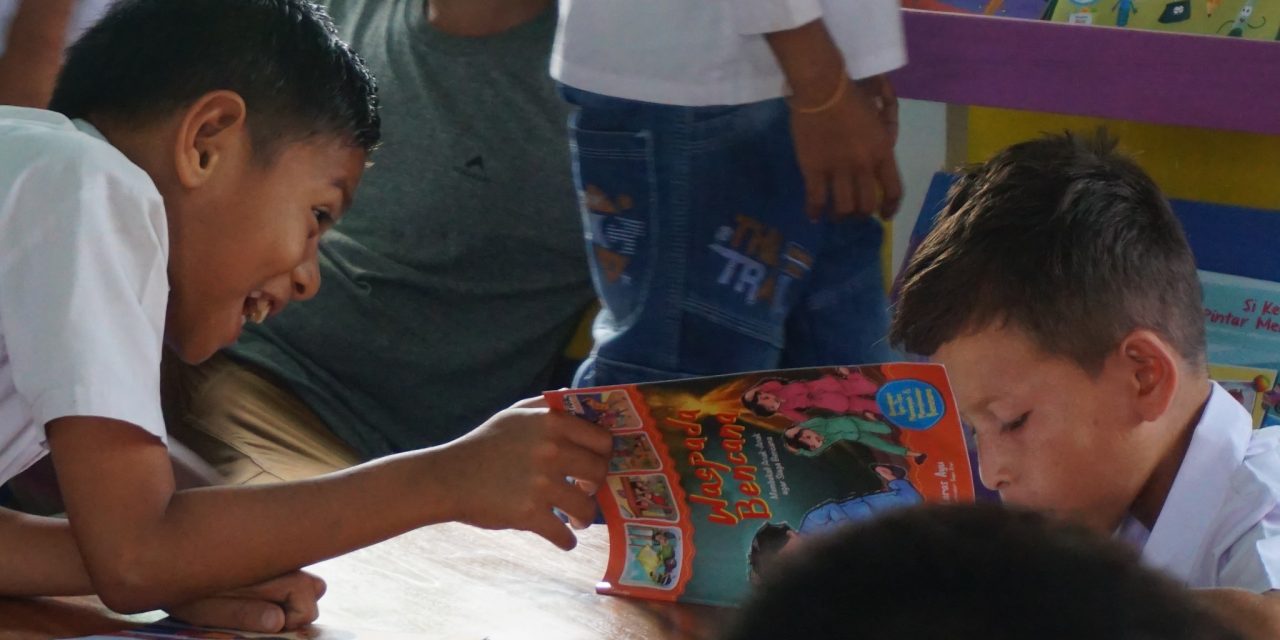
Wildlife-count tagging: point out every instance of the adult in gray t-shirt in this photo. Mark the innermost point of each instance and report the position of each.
(459, 275)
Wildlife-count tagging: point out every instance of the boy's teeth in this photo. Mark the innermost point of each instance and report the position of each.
(261, 309)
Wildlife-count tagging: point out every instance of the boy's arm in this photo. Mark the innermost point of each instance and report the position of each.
(39, 557)
(844, 148)
(147, 547)
(1255, 616)
(33, 53)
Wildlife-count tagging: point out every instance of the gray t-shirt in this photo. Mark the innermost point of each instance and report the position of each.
(457, 278)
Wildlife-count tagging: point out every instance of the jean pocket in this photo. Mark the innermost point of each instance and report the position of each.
(614, 173)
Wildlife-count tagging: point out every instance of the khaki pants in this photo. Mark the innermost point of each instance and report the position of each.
(251, 429)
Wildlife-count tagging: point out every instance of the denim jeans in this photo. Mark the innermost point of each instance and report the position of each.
(701, 252)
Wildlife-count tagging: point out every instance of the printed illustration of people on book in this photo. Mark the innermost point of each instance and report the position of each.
(633, 452)
(611, 410)
(653, 556)
(843, 392)
(815, 435)
(773, 539)
(646, 497)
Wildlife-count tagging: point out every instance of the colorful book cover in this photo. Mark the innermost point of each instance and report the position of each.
(1242, 323)
(1031, 9)
(1248, 385)
(711, 478)
(1253, 19)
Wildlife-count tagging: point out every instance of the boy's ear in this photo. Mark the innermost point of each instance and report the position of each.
(210, 130)
(1150, 366)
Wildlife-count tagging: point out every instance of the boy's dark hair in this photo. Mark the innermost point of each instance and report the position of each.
(1063, 238)
(752, 404)
(793, 438)
(969, 572)
(146, 58)
(770, 538)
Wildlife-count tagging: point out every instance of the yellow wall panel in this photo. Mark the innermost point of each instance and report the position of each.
(1193, 164)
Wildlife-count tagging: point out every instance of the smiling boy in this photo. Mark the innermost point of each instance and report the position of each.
(194, 154)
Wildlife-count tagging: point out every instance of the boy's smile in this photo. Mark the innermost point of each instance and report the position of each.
(244, 222)
(252, 246)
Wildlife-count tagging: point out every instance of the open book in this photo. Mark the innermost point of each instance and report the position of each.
(712, 478)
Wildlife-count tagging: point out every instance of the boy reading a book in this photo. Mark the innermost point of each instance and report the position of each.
(194, 153)
(1061, 294)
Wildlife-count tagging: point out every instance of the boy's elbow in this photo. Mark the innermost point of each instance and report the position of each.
(128, 586)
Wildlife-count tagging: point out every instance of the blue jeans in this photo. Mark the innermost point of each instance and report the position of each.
(701, 252)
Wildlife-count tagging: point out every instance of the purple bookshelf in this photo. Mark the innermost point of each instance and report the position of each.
(1127, 74)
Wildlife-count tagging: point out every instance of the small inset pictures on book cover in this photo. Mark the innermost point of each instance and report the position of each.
(653, 557)
(611, 409)
(633, 452)
(644, 497)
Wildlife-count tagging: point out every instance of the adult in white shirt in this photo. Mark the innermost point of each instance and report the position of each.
(33, 34)
(729, 154)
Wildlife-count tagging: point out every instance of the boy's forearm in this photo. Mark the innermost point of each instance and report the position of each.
(811, 61)
(38, 556)
(33, 53)
(146, 547)
(290, 526)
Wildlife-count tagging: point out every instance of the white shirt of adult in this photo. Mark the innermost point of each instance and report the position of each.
(1220, 525)
(710, 52)
(84, 247)
(85, 13)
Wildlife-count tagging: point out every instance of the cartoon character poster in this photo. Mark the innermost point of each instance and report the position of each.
(745, 464)
(1030, 9)
(1242, 324)
(1252, 19)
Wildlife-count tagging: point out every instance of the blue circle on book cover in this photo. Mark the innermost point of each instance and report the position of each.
(911, 404)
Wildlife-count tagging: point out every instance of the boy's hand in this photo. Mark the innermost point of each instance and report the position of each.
(885, 99)
(845, 153)
(510, 472)
(1256, 617)
(281, 604)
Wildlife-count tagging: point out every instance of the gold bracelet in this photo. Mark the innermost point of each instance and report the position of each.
(844, 83)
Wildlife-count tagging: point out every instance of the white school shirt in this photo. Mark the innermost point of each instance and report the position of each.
(710, 52)
(85, 13)
(1220, 525)
(83, 288)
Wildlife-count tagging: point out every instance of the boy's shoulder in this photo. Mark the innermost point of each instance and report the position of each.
(34, 140)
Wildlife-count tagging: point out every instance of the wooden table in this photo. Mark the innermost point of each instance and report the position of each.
(446, 581)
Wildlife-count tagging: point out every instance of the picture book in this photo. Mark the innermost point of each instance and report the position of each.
(1242, 324)
(711, 478)
(1030, 9)
(1248, 385)
(1252, 19)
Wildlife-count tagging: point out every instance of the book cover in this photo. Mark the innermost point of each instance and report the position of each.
(1242, 324)
(1252, 19)
(1248, 385)
(712, 478)
(1030, 9)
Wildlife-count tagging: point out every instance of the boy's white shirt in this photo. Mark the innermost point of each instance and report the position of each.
(1220, 525)
(84, 246)
(710, 52)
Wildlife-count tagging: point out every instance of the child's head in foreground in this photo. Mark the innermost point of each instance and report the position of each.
(255, 123)
(972, 572)
(1059, 291)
